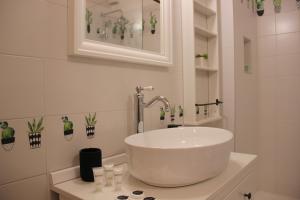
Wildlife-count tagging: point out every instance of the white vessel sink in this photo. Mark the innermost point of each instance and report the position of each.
(179, 156)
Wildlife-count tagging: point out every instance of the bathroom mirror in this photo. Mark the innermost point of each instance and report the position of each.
(138, 31)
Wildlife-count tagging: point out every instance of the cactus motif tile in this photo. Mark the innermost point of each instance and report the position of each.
(90, 122)
(68, 128)
(35, 129)
(7, 136)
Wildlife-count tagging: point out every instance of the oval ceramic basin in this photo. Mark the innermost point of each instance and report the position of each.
(179, 156)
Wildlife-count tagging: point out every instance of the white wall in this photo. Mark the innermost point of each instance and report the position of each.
(227, 55)
(39, 79)
(279, 97)
(246, 128)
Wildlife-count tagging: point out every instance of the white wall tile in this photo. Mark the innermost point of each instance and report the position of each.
(288, 43)
(267, 67)
(288, 98)
(266, 25)
(43, 80)
(62, 152)
(278, 107)
(23, 27)
(269, 8)
(266, 46)
(288, 6)
(59, 2)
(110, 133)
(93, 87)
(22, 161)
(33, 188)
(57, 29)
(288, 65)
(245, 83)
(287, 22)
(100, 87)
(287, 179)
(21, 86)
(267, 134)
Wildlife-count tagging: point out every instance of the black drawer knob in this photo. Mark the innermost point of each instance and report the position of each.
(248, 195)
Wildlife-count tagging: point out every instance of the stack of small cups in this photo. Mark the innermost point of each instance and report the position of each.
(108, 176)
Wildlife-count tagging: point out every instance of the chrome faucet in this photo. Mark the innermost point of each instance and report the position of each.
(141, 105)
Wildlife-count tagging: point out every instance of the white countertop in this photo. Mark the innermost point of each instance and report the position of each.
(239, 167)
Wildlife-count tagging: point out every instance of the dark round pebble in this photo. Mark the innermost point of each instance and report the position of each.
(149, 198)
(138, 192)
(122, 197)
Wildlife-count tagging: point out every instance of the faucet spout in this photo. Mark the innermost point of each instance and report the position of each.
(141, 105)
(156, 99)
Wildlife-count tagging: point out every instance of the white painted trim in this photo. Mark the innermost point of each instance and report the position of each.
(80, 46)
(74, 172)
(203, 9)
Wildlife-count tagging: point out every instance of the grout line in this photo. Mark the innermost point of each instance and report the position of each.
(34, 57)
(44, 111)
(57, 4)
(21, 118)
(22, 179)
(69, 113)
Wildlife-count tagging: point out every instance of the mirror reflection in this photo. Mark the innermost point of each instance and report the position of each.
(130, 23)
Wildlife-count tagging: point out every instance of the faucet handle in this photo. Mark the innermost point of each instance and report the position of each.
(147, 88)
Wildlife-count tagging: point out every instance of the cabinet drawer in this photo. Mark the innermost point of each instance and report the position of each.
(245, 190)
(62, 197)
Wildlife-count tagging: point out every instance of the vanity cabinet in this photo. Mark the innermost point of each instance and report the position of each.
(245, 190)
(234, 182)
(61, 197)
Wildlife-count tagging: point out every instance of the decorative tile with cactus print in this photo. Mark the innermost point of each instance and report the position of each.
(153, 22)
(180, 111)
(162, 114)
(89, 20)
(68, 127)
(35, 129)
(172, 113)
(7, 136)
(90, 123)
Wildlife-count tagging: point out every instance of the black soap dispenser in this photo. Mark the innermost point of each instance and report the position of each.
(89, 158)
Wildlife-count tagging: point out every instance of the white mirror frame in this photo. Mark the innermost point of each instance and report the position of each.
(78, 45)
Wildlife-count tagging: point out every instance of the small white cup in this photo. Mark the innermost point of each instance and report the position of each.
(118, 172)
(109, 174)
(98, 177)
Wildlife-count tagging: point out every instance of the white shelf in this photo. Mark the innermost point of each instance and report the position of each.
(208, 69)
(204, 32)
(203, 9)
(204, 121)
